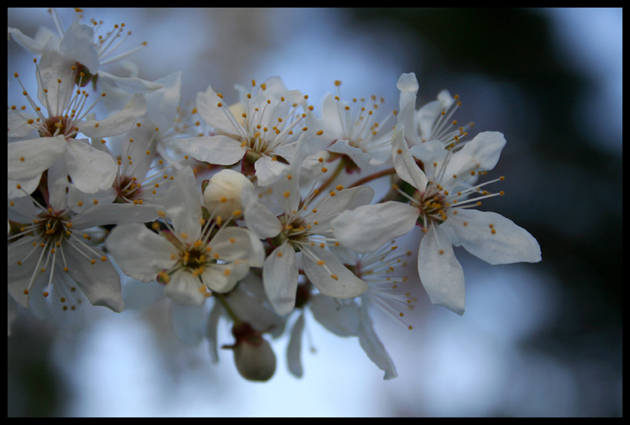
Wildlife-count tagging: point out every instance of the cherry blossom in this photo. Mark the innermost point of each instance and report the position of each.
(442, 205)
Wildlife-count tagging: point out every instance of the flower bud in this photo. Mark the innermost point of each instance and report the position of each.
(222, 195)
(253, 356)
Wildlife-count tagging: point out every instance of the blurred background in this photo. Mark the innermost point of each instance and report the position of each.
(536, 339)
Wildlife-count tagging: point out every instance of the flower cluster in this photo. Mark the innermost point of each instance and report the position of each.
(239, 211)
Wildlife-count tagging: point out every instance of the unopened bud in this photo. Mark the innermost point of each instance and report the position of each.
(222, 194)
(253, 356)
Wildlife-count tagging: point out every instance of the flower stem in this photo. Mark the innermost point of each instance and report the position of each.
(374, 176)
(226, 306)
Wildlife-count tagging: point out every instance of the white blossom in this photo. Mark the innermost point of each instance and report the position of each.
(304, 227)
(261, 130)
(441, 206)
(67, 115)
(190, 258)
(356, 130)
(86, 47)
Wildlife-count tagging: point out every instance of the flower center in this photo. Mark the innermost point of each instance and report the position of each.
(54, 126)
(294, 229)
(127, 190)
(52, 227)
(432, 205)
(194, 259)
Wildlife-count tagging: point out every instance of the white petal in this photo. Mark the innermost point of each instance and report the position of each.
(19, 277)
(258, 254)
(332, 278)
(359, 157)
(508, 244)
(408, 82)
(268, 171)
(100, 282)
(120, 90)
(373, 346)
(29, 158)
(340, 321)
(428, 152)
(280, 278)
(118, 123)
(53, 66)
(22, 210)
(260, 221)
(89, 168)
(35, 45)
(367, 228)
(346, 199)
(480, 154)
(428, 115)
(231, 243)
(441, 274)
(162, 104)
(294, 349)
(139, 252)
(100, 215)
(18, 126)
(26, 185)
(212, 114)
(223, 278)
(78, 43)
(182, 204)
(184, 288)
(405, 165)
(212, 331)
(330, 117)
(249, 303)
(221, 150)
